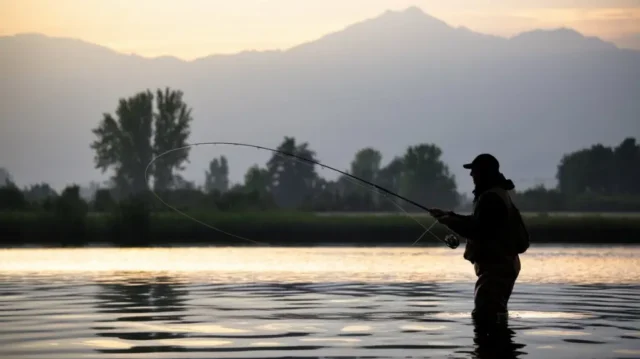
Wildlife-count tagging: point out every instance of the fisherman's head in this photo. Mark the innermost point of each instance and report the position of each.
(484, 169)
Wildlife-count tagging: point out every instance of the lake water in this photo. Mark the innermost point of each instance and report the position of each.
(575, 302)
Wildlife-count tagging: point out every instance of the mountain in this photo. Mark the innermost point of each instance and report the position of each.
(631, 41)
(399, 79)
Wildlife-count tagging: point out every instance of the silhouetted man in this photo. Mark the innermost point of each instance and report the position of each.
(495, 237)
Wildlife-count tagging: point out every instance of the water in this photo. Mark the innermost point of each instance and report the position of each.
(578, 302)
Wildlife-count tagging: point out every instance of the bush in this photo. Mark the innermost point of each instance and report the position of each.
(70, 212)
(131, 220)
(11, 198)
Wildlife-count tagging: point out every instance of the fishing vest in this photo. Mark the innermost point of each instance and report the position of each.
(511, 239)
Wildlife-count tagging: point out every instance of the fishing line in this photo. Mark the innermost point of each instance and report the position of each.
(450, 240)
(427, 230)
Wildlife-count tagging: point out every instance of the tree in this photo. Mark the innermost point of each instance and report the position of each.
(11, 198)
(70, 212)
(290, 179)
(125, 142)
(627, 167)
(572, 173)
(389, 176)
(601, 170)
(39, 192)
(217, 177)
(171, 132)
(180, 183)
(103, 201)
(5, 177)
(88, 193)
(366, 165)
(426, 178)
(257, 180)
(70, 204)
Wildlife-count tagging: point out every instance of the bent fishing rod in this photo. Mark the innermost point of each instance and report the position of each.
(451, 240)
(430, 210)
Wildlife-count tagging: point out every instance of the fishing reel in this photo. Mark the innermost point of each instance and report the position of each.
(451, 241)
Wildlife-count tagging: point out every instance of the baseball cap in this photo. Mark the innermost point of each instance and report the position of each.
(484, 162)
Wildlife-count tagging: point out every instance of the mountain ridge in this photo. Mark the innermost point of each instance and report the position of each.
(465, 91)
(413, 13)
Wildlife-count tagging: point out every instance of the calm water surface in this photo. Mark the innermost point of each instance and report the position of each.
(577, 302)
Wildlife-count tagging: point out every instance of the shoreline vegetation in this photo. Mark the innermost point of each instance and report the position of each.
(286, 201)
(287, 229)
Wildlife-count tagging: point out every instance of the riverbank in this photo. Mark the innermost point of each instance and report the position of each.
(285, 229)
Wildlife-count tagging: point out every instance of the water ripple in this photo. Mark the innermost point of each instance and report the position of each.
(176, 315)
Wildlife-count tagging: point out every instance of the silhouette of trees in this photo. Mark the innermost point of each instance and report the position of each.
(390, 175)
(11, 198)
(103, 201)
(5, 177)
(125, 142)
(217, 177)
(426, 179)
(291, 180)
(257, 180)
(366, 165)
(39, 192)
(172, 121)
(601, 170)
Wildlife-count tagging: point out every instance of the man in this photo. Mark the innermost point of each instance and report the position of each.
(495, 237)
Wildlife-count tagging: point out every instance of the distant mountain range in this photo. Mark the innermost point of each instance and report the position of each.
(399, 79)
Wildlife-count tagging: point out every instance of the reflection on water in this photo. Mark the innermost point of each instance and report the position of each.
(594, 264)
(312, 303)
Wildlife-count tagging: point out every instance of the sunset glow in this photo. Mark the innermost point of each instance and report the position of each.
(195, 28)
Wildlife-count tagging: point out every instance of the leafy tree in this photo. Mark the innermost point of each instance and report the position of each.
(540, 199)
(71, 212)
(217, 177)
(257, 179)
(88, 192)
(389, 176)
(627, 167)
(172, 122)
(180, 183)
(366, 165)
(5, 177)
(290, 179)
(426, 178)
(103, 201)
(601, 170)
(39, 192)
(70, 205)
(125, 142)
(11, 198)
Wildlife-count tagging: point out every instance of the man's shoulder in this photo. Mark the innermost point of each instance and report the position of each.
(491, 200)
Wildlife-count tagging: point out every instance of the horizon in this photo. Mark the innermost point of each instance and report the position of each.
(621, 31)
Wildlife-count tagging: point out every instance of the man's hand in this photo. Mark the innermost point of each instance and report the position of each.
(447, 219)
(439, 213)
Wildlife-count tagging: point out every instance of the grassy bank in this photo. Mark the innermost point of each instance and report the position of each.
(285, 229)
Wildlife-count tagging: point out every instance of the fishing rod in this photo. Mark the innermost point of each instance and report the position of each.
(450, 240)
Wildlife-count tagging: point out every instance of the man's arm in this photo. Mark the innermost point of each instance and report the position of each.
(461, 224)
(491, 212)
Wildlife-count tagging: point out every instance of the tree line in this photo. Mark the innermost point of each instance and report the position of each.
(147, 125)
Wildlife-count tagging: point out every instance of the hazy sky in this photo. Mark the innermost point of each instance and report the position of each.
(194, 28)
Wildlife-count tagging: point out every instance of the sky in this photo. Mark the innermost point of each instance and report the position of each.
(189, 29)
